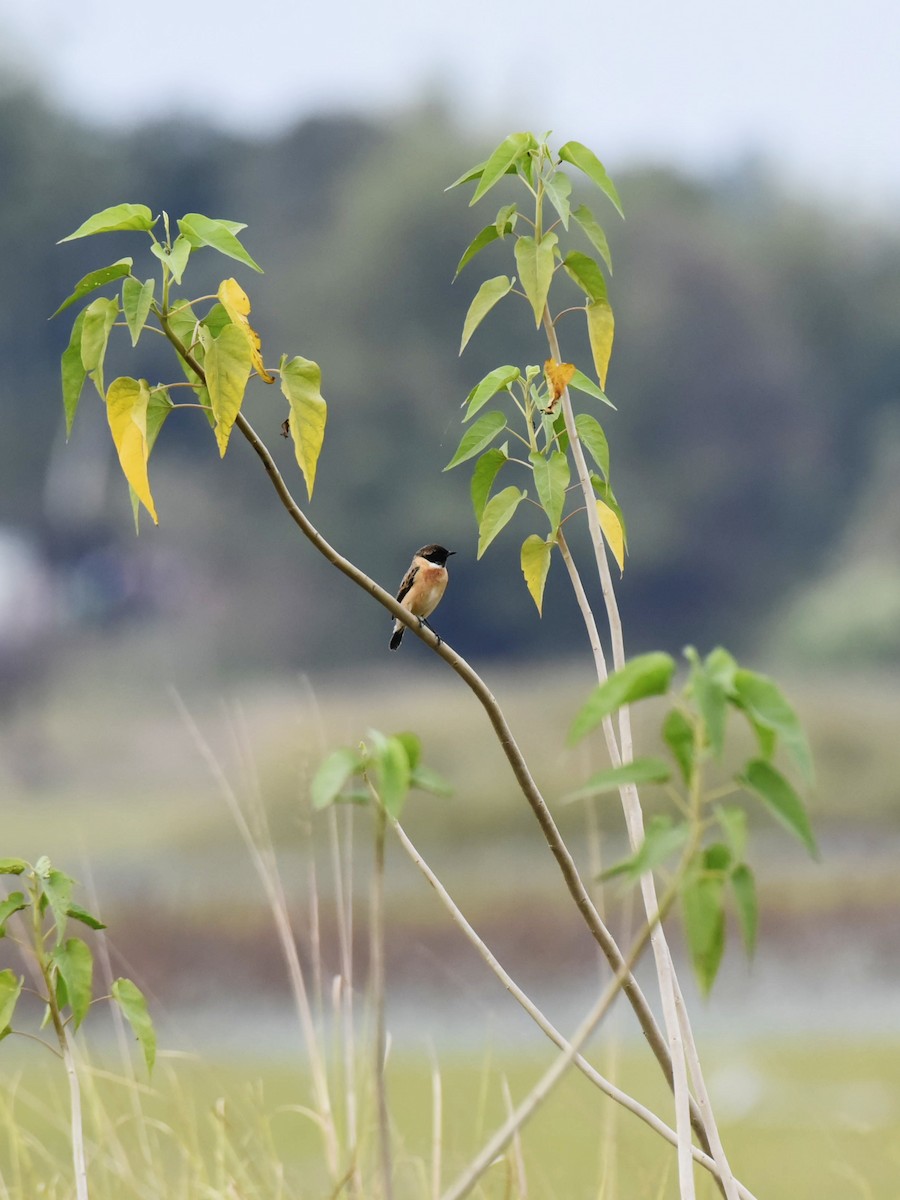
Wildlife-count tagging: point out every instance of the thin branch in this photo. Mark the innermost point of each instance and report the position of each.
(522, 998)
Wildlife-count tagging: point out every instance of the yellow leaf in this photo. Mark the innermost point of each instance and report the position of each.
(236, 303)
(535, 559)
(126, 411)
(301, 382)
(558, 376)
(612, 531)
(226, 364)
(601, 327)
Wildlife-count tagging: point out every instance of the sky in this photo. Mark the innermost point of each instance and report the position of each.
(812, 86)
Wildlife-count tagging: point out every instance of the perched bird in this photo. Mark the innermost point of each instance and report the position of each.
(422, 587)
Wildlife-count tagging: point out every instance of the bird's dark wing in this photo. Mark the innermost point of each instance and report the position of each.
(407, 581)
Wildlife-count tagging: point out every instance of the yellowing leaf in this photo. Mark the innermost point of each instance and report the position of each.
(301, 381)
(227, 367)
(236, 303)
(558, 376)
(535, 559)
(612, 531)
(126, 411)
(601, 327)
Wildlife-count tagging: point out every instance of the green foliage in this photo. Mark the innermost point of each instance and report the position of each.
(65, 964)
(540, 405)
(709, 837)
(217, 353)
(384, 769)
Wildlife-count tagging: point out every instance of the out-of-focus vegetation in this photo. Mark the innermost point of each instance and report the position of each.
(755, 371)
(801, 1123)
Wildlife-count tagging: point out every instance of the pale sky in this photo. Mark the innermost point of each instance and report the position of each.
(814, 86)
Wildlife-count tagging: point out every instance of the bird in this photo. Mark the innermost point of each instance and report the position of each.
(422, 587)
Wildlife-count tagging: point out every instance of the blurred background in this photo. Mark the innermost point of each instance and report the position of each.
(755, 449)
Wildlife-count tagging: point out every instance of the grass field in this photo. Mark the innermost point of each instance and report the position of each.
(802, 1053)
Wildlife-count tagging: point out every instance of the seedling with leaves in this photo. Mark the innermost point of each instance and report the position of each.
(545, 425)
(63, 968)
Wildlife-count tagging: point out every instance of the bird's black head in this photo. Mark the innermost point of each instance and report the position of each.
(434, 554)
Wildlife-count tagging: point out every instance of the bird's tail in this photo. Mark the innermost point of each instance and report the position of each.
(397, 635)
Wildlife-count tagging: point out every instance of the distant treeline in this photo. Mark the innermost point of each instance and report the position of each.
(756, 372)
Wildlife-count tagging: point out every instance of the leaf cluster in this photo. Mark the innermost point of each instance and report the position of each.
(218, 350)
(384, 768)
(535, 418)
(66, 963)
(710, 836)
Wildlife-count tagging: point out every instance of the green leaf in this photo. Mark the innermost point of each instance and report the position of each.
(743, 886)
(504, 224)
(176, 259)
(770, 712)
(585, 160)
(477, 437)
(704, 924)
(490, 293)
(662, 838)
(412, 744)
(301, 382)
(227, 363)
(535, 261)
(594, 233)
(535, 560)
(581, 383)
(483, 479)
(559, 188)
(711, 699)
(99, 318)
(678, 734)
(733, 821)
(57, 887)
(504, 159)
(13, 903)
(551, 478)
(12, 866)
(721, 667)
(484, 238)
(111, 220)
(219, 234)
(10, 990)
(96, 279)
(582, 269)
(392, 772)
(781, 800)
(332, 775)
(506, 220)
(72, 372)
(79, 914)
(591, 435)
(427, 780)
(131, 1001)
(136, 300)
(497, 380)
(641, 770)
(646, 675)
(75, 964)
(498, 512)
(601, 330)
